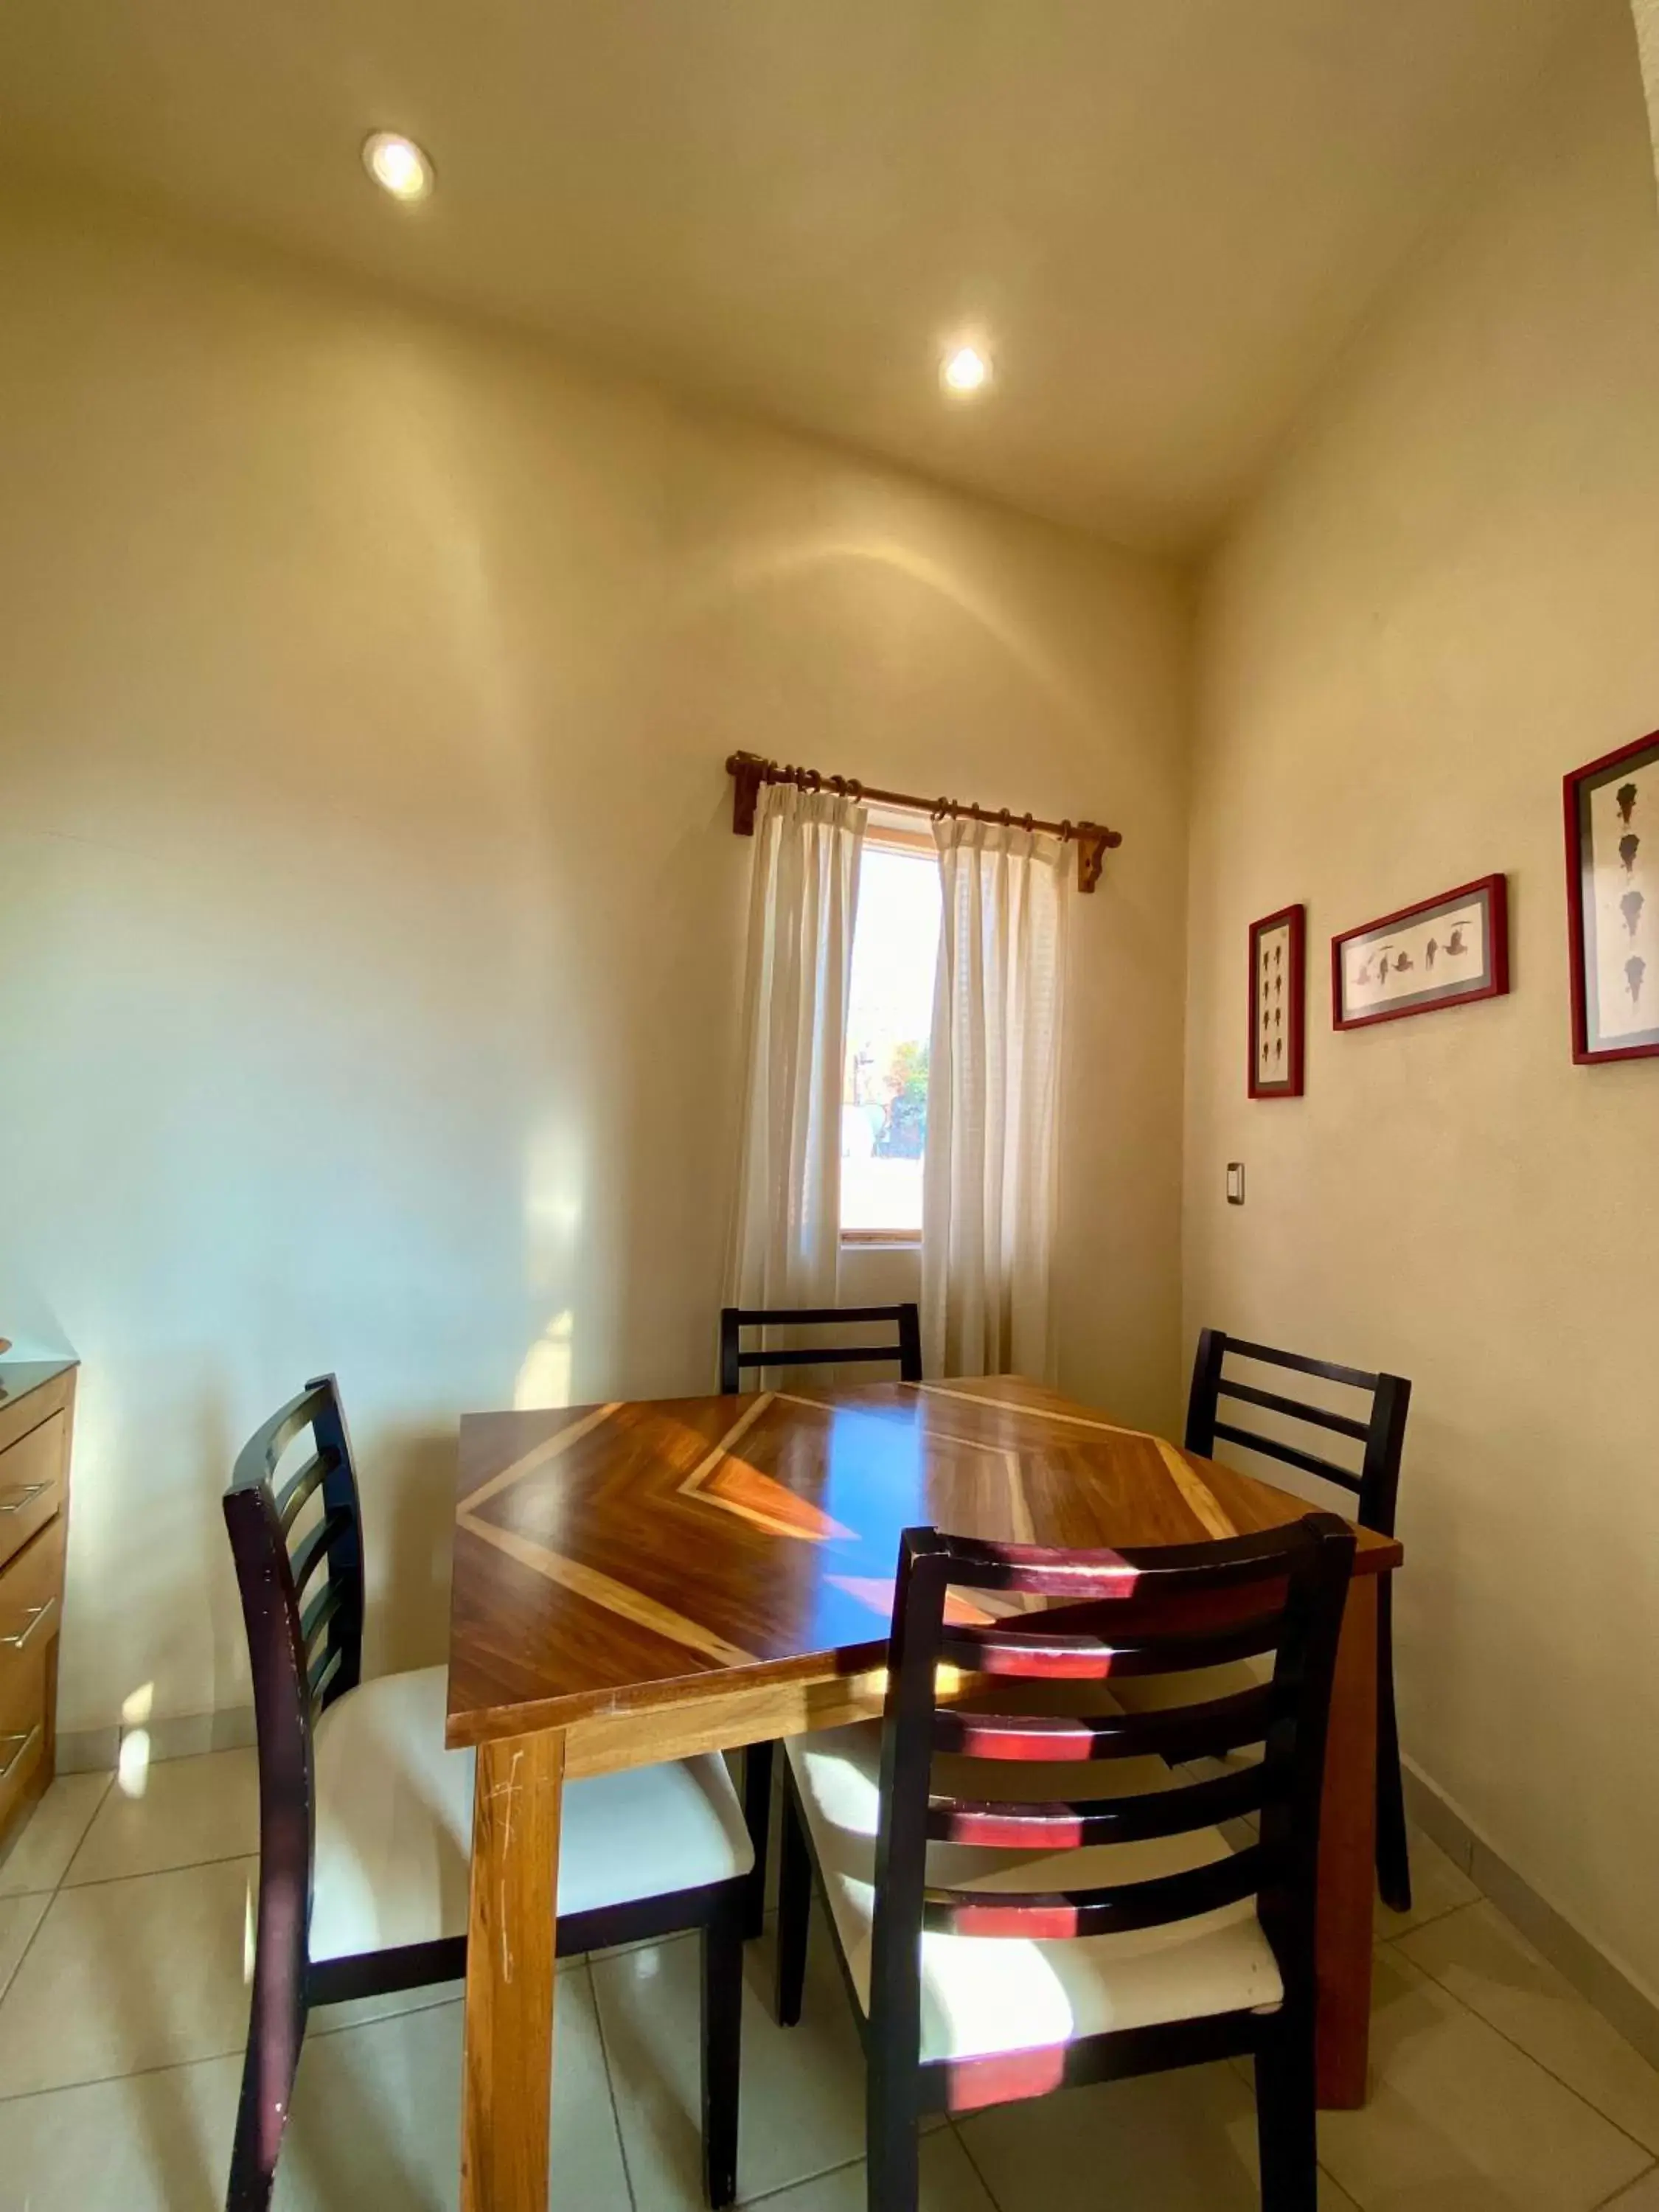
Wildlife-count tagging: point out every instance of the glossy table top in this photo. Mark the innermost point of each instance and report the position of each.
(609, 1558)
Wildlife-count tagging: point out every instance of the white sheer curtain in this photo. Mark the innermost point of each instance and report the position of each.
(988, 1188)
(786, 1241)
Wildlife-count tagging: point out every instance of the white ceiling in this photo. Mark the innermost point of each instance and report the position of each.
(1166, 216)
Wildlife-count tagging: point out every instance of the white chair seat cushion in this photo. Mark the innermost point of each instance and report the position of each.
(394, 1824)
(983, 1994)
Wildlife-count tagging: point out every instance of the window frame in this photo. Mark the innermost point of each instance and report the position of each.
(889, 837)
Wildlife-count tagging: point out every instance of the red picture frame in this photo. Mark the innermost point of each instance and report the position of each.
(1490, 980)
(1286, 931)
(1614, 777)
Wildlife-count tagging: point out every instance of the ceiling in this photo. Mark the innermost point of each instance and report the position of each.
(1164, 215)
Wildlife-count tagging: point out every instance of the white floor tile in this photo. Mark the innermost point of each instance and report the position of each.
(49, 1837)
(1170, 2143)
(803, 2087)
(377, 2116)
(185, 1813)
(1489, 1965)
(1460, 2121)
(151, 2142)
(376, 2123)
(19, 1918)
(1437, 1885)
(128, 1975)
(949, 2183)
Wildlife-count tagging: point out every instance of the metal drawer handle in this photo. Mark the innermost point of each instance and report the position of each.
(37, 1615)
(26, 1495)
(22, 1743)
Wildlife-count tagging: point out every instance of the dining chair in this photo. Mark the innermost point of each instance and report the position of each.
(366, 1820)
(1380, 1429)
(906, 1352)
(1021, 1900)
(906, 1322)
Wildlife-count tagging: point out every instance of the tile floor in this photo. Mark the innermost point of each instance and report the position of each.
(122, 1935)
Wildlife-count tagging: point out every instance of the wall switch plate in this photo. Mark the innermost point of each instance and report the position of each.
(1235, 1182)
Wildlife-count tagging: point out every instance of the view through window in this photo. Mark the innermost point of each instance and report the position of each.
(890, 1021)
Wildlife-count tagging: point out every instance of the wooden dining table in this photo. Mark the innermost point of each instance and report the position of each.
(641, 1581)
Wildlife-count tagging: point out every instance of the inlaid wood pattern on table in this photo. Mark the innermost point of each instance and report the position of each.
(612, 1557)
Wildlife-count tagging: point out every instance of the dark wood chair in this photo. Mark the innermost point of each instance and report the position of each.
(366, 1820)
(981, 1870)
(1380, 1429)
(906, 1350)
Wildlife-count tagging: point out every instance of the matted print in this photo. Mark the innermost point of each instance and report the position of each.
(1278, 1002)
(1444, 952)
(1613, 902)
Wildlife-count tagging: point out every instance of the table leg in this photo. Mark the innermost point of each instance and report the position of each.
(1348, 1855)
(508, 2066)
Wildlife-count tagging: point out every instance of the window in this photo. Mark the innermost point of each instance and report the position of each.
(890, 1021)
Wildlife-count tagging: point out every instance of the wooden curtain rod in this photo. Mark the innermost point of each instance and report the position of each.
(748, 771)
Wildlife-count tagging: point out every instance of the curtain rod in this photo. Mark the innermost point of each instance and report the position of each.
(749, 771)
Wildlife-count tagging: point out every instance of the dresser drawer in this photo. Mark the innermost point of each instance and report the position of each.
(31, 1486)
(31, 1597)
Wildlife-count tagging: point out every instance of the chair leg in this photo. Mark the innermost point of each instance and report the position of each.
(892, 2150)
(1393, 1868)
(757, 1818)
(722, 2047)
(276, 2031)
(794, 1908)
(1286, 2126)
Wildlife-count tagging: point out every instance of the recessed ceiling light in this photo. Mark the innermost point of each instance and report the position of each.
(965, 369)
(397, 166)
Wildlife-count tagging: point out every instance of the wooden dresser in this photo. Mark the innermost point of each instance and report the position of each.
(36, 1412)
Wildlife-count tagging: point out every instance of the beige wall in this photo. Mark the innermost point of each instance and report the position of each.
(1445, 601)
(370, 923)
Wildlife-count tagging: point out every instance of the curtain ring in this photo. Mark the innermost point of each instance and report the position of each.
(1066, 832)
(1004, 818)
(1030, 826)
(854, 789)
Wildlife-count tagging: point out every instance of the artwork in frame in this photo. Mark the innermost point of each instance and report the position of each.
(1278, 1002)
(1612, 809)
(1445, 952)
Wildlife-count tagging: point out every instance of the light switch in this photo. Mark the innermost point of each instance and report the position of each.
(1235, 1182)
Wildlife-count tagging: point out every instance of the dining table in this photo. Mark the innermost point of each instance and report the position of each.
(642, 1581)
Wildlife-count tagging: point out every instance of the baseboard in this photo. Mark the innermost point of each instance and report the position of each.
(1615, 1992)
(181, 1735)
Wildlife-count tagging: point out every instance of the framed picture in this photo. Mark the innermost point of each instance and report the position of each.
(1613, 903)
(1278, 969)
(1445, 952)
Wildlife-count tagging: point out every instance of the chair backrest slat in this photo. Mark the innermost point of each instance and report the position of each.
(315, 1546)
(1053, 1915)
(1291, 1455)
(322, 1669)
(1281, 1590)
(1092, 1658)
(1019, 1824)
(321, 1610)
(1208, 1730)
(1273, 1403)
(1380, 1428)
(292, 1501)
(905, 1352)
(1357, 1378)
